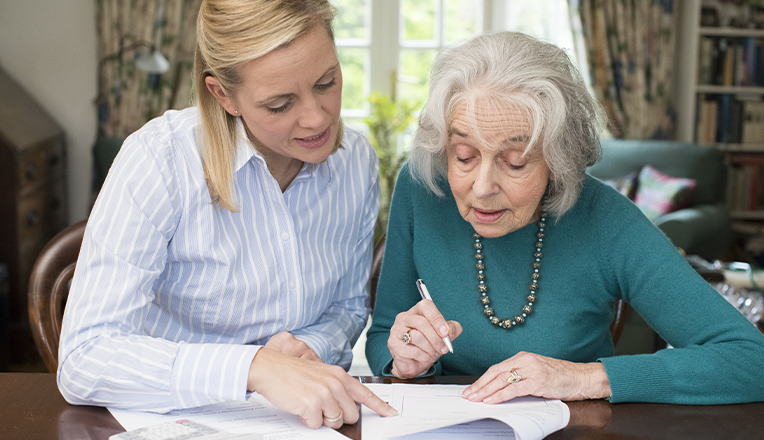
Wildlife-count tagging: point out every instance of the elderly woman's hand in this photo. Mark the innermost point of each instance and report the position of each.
(536, 375)
(425, 327)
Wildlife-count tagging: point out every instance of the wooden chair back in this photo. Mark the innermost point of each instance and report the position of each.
(616, 327)
(49, 287)
(376, 267)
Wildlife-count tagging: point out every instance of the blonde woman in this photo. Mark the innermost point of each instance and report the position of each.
(229, 250)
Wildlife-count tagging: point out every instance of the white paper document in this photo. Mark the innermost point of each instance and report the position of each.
(444, 414)
(256, 415)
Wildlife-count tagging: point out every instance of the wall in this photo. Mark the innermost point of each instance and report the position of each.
(49, 47)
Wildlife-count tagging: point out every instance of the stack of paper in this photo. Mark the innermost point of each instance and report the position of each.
(426, 412)
(439, 411)
(255, 416)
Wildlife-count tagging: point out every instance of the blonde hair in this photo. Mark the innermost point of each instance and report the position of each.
(229, 34)
(513, 70)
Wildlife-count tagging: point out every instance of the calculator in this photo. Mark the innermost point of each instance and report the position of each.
(182, 430)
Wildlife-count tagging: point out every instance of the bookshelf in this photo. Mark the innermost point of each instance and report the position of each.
(720, 102)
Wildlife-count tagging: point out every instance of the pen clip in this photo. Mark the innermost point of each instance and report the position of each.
(422, 289)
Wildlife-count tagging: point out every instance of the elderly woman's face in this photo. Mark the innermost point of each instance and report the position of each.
(290, 99)
(497, 189)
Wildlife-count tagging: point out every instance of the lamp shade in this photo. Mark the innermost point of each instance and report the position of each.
(154, 62)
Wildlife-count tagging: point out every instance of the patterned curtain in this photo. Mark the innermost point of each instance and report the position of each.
(630, 51)
(128, 97)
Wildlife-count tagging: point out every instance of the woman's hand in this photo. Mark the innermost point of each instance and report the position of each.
(540, 376)
(426, 328)
(287, 344)
(320, 394)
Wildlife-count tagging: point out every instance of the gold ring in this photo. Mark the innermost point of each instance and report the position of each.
(514, 377)
(333, 420)
(406, 338)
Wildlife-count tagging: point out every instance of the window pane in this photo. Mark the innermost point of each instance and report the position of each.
(419, 19)
(350, 22)
(462, 19)
(354, 62)
(414, 71)
(548, 20)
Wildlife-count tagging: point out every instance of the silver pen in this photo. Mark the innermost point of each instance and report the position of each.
(426, 295)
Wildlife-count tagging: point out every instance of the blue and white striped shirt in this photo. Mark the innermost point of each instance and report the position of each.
(173, 296)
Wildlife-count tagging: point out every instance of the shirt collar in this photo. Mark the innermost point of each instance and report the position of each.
(246, 152)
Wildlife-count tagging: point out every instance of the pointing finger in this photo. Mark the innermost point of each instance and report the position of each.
(365, 396)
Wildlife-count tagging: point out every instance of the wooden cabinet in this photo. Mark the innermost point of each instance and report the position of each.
(33, 204)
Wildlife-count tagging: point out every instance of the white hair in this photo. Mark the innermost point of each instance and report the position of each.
(513, 70)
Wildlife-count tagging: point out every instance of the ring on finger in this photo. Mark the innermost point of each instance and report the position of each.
(333, 419)
(406, 338)
(514, 377)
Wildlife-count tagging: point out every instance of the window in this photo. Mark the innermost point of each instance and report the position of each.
(352, 33)
(389, 45)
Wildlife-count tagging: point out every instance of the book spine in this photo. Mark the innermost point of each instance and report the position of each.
(739, 69)
(748, 128)
(700, 125)
(705, 61)
(724, 118)
(711, 125)
(750, 61)
(729, 65)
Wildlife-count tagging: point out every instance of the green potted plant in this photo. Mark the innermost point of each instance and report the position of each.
(387, 118)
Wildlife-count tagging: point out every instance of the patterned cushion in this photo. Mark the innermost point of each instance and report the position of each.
(626, 185)
(660, 194)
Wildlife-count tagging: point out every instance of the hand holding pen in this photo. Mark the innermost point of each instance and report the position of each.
(425, 294)
(420, 336)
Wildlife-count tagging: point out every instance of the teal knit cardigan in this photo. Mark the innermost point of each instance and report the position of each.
(600, 251)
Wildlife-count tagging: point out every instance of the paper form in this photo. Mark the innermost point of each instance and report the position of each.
(256, 415)
(477, 430)
(428, 407)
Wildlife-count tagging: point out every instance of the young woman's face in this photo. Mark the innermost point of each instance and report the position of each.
(497, 188)
(290, 99)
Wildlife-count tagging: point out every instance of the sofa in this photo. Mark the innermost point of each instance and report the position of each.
(701, 228)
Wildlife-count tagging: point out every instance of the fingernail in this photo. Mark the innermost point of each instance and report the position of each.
(488, 400)
(466, 393)
(444, 350)
(393, 412)
(444, 330)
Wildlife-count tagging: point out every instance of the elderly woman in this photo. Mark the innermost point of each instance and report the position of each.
(527, 255)
(230, 247)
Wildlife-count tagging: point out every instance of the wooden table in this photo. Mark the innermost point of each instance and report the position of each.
(32, 408)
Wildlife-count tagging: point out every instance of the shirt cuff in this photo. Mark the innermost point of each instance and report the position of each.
(326, 348)
(210, 373)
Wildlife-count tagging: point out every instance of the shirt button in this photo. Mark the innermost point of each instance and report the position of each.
(292, 284)
(284, 236)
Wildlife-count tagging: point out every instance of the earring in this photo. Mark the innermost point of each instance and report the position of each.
(236, 111)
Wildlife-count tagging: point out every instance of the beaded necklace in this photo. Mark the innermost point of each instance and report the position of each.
(507, 323)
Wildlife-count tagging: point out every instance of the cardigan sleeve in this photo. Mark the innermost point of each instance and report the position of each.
(717, 354)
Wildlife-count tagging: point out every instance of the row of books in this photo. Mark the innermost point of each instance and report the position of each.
(745, 183)
(730, 61)
(728, 118)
